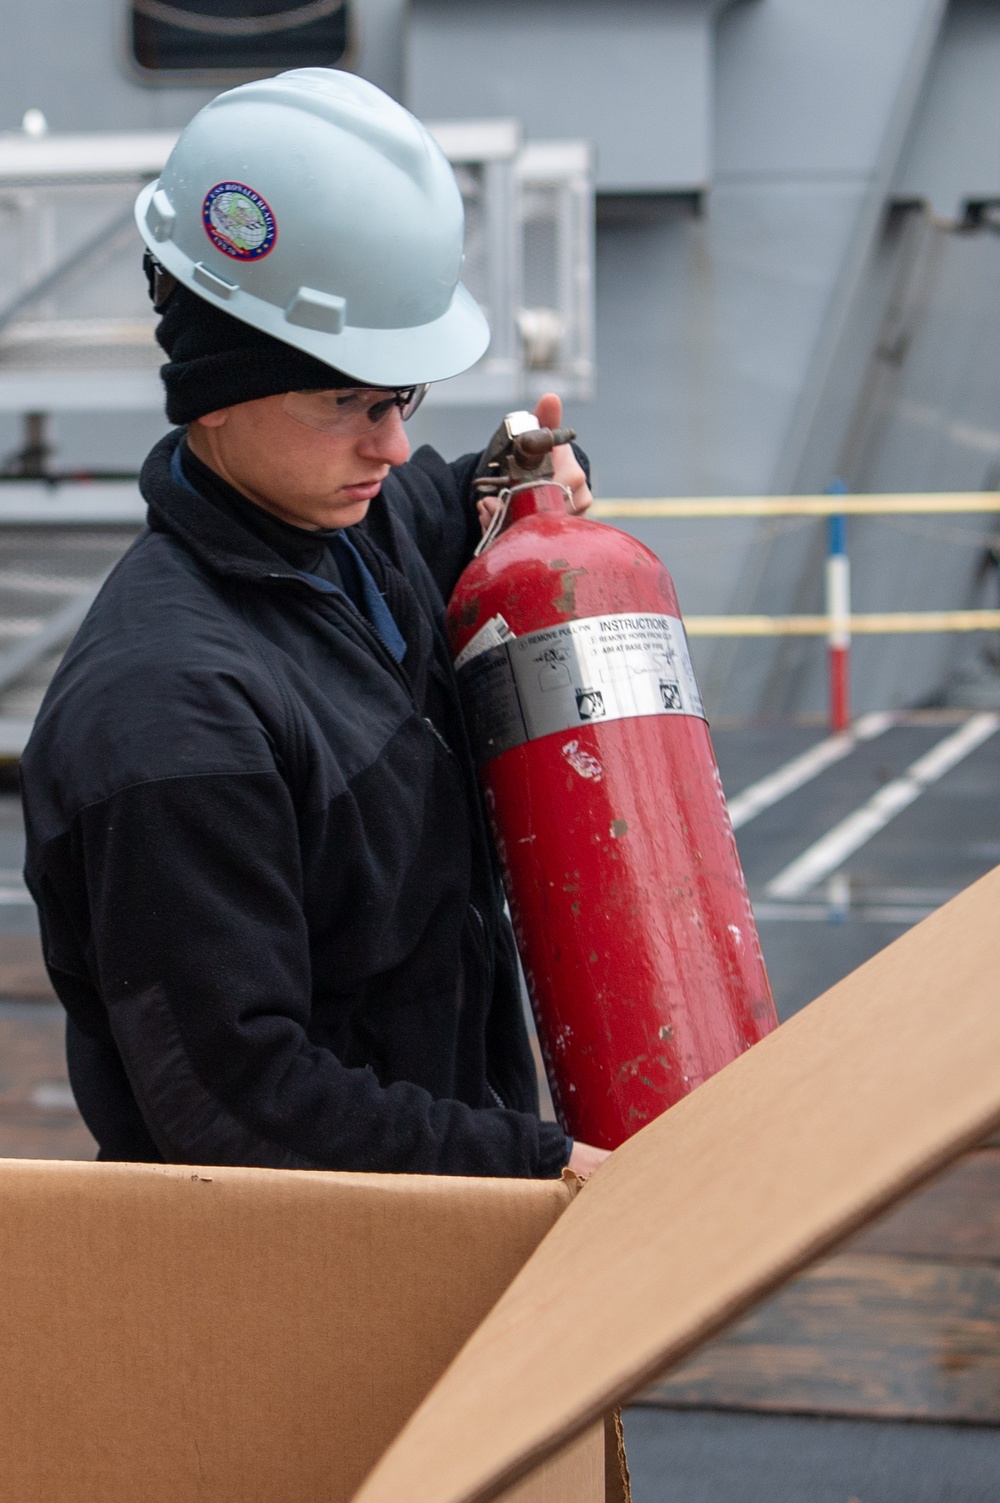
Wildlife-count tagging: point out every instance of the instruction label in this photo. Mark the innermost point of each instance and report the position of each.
(601, 668)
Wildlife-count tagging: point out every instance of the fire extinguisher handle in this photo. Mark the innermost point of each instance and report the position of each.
(518, 452)
(531, 453)
(541, 442)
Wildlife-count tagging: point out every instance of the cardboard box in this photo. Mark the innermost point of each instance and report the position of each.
(858, 1099)
(255, 1335)
(243, 1335)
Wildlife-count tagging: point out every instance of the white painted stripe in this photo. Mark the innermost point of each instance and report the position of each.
(21, 626)
(833, 848)
(838, 599)
(35, 503)
(778, 785)
(820, 913)
(14, 733)
(15, 897)
(53, 1096)
(55, 631)
(907, 897)
(42, 584)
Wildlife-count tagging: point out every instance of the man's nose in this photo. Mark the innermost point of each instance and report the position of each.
(387, 441)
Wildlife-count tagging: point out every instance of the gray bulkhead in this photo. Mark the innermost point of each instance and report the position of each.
(790, 284)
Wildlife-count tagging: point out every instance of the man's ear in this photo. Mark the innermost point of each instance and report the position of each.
(214, 419)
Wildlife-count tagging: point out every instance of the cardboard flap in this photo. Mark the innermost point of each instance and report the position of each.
(859, 1097)
(179, 1335)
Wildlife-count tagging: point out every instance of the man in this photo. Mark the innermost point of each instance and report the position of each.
(267, 895)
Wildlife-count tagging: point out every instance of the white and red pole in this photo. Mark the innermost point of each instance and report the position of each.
(838, 610)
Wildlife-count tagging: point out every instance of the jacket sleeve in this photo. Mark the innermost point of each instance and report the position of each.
(200, 947)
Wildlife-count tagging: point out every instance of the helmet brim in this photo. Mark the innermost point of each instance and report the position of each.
(411, 356)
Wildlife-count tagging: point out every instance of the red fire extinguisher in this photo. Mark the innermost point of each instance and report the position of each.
(629, 904)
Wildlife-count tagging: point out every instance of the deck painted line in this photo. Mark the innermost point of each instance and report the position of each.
(21, 626)
(820, 913)
(833, 848)
(907, 897)
(16, 897)
(34, 503)
(801, 770)
(14, 733)
(53, 1096)
(13, 892)
(42, 584)
(54, 632)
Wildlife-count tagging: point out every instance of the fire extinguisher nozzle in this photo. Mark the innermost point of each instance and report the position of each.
(536, 445)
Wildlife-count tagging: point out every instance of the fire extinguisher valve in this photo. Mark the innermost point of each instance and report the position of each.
(531, 453)
(519, 450)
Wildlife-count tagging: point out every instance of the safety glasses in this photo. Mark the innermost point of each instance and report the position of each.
(354, 410)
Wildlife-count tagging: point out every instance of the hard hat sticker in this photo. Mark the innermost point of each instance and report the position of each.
(585, 672)
(239, 222)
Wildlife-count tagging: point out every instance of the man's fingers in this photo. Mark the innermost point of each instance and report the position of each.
(487, 507)
(569, 472)
(567, 469)
(548, 410)
(585, 1158)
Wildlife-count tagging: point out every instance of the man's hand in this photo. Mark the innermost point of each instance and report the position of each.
(568, 470)
(585, 1158)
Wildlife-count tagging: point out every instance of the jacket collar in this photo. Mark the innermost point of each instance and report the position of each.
(210, 533)
(214, 534)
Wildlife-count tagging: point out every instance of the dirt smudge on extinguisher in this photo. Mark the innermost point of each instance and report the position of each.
(469, 613)
(582, 762)
(619, 827)
(565, 601)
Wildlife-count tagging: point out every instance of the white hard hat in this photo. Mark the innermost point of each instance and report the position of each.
(315, 208)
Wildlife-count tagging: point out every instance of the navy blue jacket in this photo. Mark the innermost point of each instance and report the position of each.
(267, 894)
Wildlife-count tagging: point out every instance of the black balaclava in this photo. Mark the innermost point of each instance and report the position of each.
(218, 361)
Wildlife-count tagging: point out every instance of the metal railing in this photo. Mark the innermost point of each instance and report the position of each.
(28, 504)
(839, 622)
(77, 331)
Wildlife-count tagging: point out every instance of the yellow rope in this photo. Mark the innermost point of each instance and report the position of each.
(875, 624)
(870, 624)
(800, 506)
